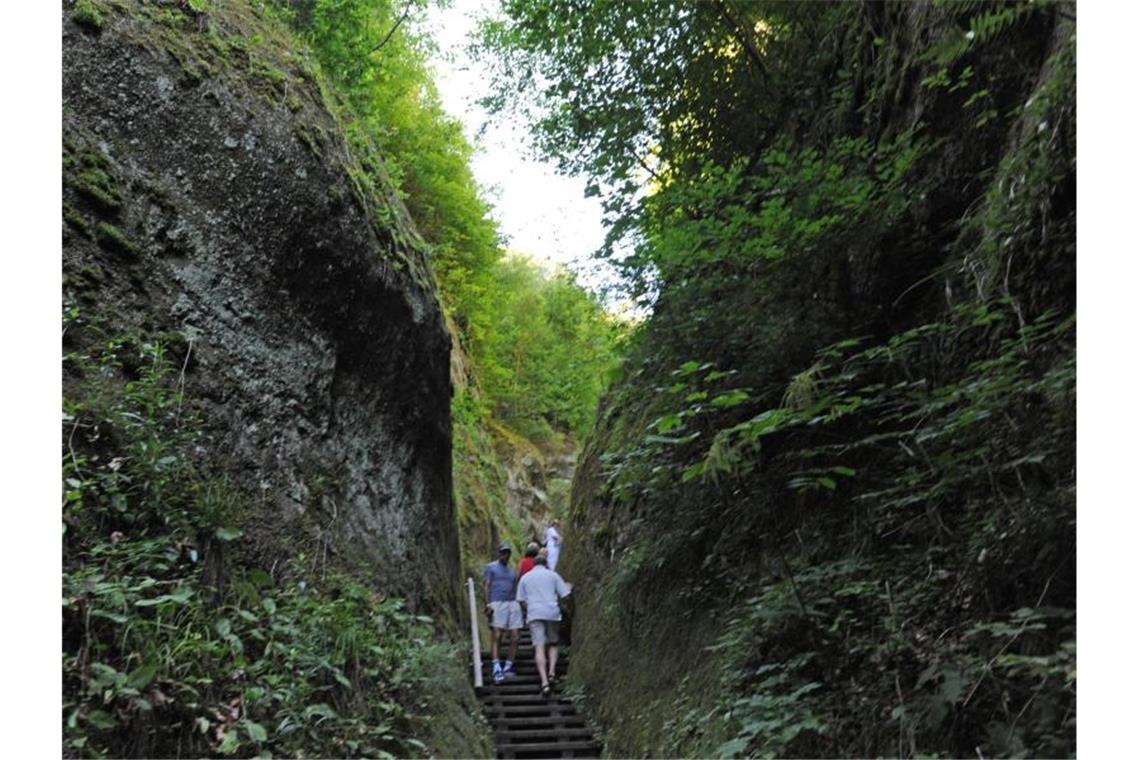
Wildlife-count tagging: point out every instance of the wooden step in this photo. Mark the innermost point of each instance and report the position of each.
(544, 710)
(570, 720)
(523, 700)
(521, 664)
(515, 687)
(548, 749)
(550, 734)
(524, 652)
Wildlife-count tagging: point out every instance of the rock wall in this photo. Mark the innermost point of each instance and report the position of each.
(210, 197)
(664, 573)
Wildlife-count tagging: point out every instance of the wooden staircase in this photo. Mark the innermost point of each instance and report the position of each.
(527, 724)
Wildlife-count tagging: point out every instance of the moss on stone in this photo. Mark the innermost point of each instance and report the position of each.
(98, 188)
(89, 173)
(111, 238)
(77, 221)
(89, 15)
(84, 283)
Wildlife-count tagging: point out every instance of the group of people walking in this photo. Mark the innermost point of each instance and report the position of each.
(531, 591)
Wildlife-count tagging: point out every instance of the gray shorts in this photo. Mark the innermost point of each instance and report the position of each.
(543, 631)
(506, 615)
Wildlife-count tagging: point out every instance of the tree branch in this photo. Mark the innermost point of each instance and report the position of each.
(746, 42)
(652, 173)
(388, 36)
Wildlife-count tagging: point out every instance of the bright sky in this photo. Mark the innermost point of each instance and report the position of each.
(540, 212)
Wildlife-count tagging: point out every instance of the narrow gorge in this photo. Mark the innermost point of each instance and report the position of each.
(809, 429)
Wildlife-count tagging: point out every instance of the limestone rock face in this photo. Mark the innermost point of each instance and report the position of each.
(209, 194)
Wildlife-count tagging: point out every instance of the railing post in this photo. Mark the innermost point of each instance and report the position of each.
(476, 654)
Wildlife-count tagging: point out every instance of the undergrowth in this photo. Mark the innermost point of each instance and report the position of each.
(172, 645)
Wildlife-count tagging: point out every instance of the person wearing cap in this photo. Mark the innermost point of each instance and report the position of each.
(526, 564)
(539, 593)
(499, 582)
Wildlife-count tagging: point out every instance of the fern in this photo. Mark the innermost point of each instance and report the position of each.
(984, 28)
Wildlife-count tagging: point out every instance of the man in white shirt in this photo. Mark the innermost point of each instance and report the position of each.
(553, 544)
(539, 592)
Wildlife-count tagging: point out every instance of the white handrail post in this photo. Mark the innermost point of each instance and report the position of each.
(476, 654)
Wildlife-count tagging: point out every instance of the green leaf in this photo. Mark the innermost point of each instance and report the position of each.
(227, 534)
(255, 731)
(692, 471)
(730, 399)
(827, 483)
(230, 743)
(142, 676)
(181, 596)
(101, 720)
(841, 470)
(260, 578)
(320, 710)
(114, 617)
(269, 605)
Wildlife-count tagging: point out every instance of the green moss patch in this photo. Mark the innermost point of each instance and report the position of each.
(90, 174)
(78, 222)
(89, 15)
(111, 238)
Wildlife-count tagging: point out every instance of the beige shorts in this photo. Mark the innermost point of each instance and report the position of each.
(506, 615)
(544, 631)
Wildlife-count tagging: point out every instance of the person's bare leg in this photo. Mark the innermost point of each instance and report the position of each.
(514, 644)
(553, 661)
(540, 660)
(495, 634)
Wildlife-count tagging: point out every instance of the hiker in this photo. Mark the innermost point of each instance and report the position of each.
(539, 593)
(499, 582)
(526, 564)
(553, 543)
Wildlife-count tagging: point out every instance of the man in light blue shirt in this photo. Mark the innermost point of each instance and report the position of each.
(539, 592)
(499, 580)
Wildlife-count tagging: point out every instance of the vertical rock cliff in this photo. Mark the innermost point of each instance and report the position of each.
(211, 200)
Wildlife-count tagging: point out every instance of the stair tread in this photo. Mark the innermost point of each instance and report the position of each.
(494, 712)
(524, 700)
(569, 720)
(549, 745)
(541, 733)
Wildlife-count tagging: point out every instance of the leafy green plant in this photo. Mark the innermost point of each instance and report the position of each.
(157, 653)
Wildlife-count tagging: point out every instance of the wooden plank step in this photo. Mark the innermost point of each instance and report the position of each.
(524, 679)
(544, 750)
(523, 665)
(496, 711)
(515, 686)
(567, 719)
(549, 705)
(525, 698)
(551, 734)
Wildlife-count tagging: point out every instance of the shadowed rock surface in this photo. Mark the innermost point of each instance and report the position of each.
(210, 200)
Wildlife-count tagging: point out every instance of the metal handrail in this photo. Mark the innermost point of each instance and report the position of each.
(476, 654)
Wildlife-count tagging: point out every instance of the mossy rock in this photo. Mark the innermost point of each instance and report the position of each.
(111, 238)
(89, 15)
(76, 220)
(95, 187)
(90, 174)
